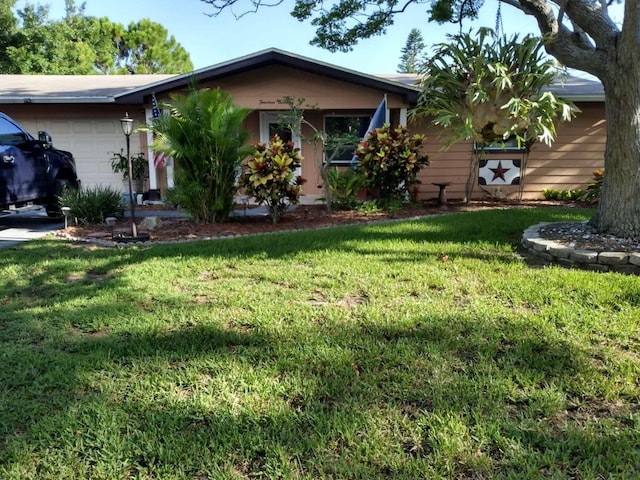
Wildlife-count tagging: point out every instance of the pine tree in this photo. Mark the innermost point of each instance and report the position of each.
(410, 59)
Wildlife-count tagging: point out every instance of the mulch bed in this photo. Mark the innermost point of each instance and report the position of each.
(303, 217)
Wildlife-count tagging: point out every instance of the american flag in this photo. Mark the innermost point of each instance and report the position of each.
(158, 157)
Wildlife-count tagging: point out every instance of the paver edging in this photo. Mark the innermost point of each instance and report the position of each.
(555, 252)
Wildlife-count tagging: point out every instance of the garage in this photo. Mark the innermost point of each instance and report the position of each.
(81, 115)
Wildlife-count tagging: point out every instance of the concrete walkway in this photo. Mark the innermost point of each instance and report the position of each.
(21, 227)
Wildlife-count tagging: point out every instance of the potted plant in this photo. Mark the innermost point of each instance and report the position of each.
(139, 164)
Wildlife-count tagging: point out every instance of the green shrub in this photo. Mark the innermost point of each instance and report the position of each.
(563, 195)
(120, 164)
(171, 197)
(574, 195)
(369, 206)
(389, 160)
(92, 205)
(550, 194)
(270, 177)
(594, 189)
(344, 186)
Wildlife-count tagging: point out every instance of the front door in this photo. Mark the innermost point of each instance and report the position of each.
(270, 124)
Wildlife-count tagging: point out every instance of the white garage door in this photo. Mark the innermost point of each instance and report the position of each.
(92, 142)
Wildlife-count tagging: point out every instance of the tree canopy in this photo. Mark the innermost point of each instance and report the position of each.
(579, 33)
(147, 47)
(80, 44)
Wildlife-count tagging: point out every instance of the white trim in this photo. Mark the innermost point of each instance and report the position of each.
(387, 115)
(267, 118)
(169, 168)
(270, 117)
(153, 176)
(403, 117)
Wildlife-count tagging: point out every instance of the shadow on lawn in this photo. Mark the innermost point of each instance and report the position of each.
(463, 229)
(339, 402)
(441, 395)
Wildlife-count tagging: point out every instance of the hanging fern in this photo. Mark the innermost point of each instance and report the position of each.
(489, 88)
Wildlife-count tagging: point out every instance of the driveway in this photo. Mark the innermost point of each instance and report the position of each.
(20, 227)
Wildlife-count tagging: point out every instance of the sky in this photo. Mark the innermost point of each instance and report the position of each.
(212, 40)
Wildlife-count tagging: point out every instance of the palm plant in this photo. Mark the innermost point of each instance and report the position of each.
(204, 134)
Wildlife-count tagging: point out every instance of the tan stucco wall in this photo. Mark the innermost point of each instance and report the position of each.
(264, 89)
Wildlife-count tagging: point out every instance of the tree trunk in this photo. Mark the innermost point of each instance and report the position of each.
(619, 208)
(472, 179)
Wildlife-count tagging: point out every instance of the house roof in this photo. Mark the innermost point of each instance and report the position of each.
(270, 57)
(578, 89)
(573, 88)
(132, 89)
(70, 88)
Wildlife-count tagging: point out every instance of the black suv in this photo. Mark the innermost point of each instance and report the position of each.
(32, 172)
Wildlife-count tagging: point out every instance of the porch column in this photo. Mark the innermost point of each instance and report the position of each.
(403, 117)
(153, 177)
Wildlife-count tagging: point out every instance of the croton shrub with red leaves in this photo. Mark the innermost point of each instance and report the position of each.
(389, 160)
(269, 176)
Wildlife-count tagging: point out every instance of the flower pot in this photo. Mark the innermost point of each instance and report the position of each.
(137, 185)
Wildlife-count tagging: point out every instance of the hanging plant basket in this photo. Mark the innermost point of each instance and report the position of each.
(488, 89)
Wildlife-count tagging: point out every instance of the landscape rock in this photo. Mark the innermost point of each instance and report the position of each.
(150, 223)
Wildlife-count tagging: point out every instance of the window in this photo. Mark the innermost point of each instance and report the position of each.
(340, 128)
(10, 133)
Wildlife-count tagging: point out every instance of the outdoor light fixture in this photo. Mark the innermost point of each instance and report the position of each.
(111, 222)
(66, 211)
(127, 127)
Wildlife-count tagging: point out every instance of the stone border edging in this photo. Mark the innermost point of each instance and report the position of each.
(554, 252)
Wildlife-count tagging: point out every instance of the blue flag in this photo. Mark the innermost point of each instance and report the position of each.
(155, 111)
(159, 159)
(378, 120)
(379, 117)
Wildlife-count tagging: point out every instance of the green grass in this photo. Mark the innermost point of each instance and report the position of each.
(411, 350)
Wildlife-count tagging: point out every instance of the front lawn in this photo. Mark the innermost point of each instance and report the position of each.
(411, 350)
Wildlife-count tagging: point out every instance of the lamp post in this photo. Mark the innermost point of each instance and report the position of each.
(127, 127)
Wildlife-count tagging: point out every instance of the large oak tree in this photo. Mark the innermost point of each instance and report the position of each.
(579, 33)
